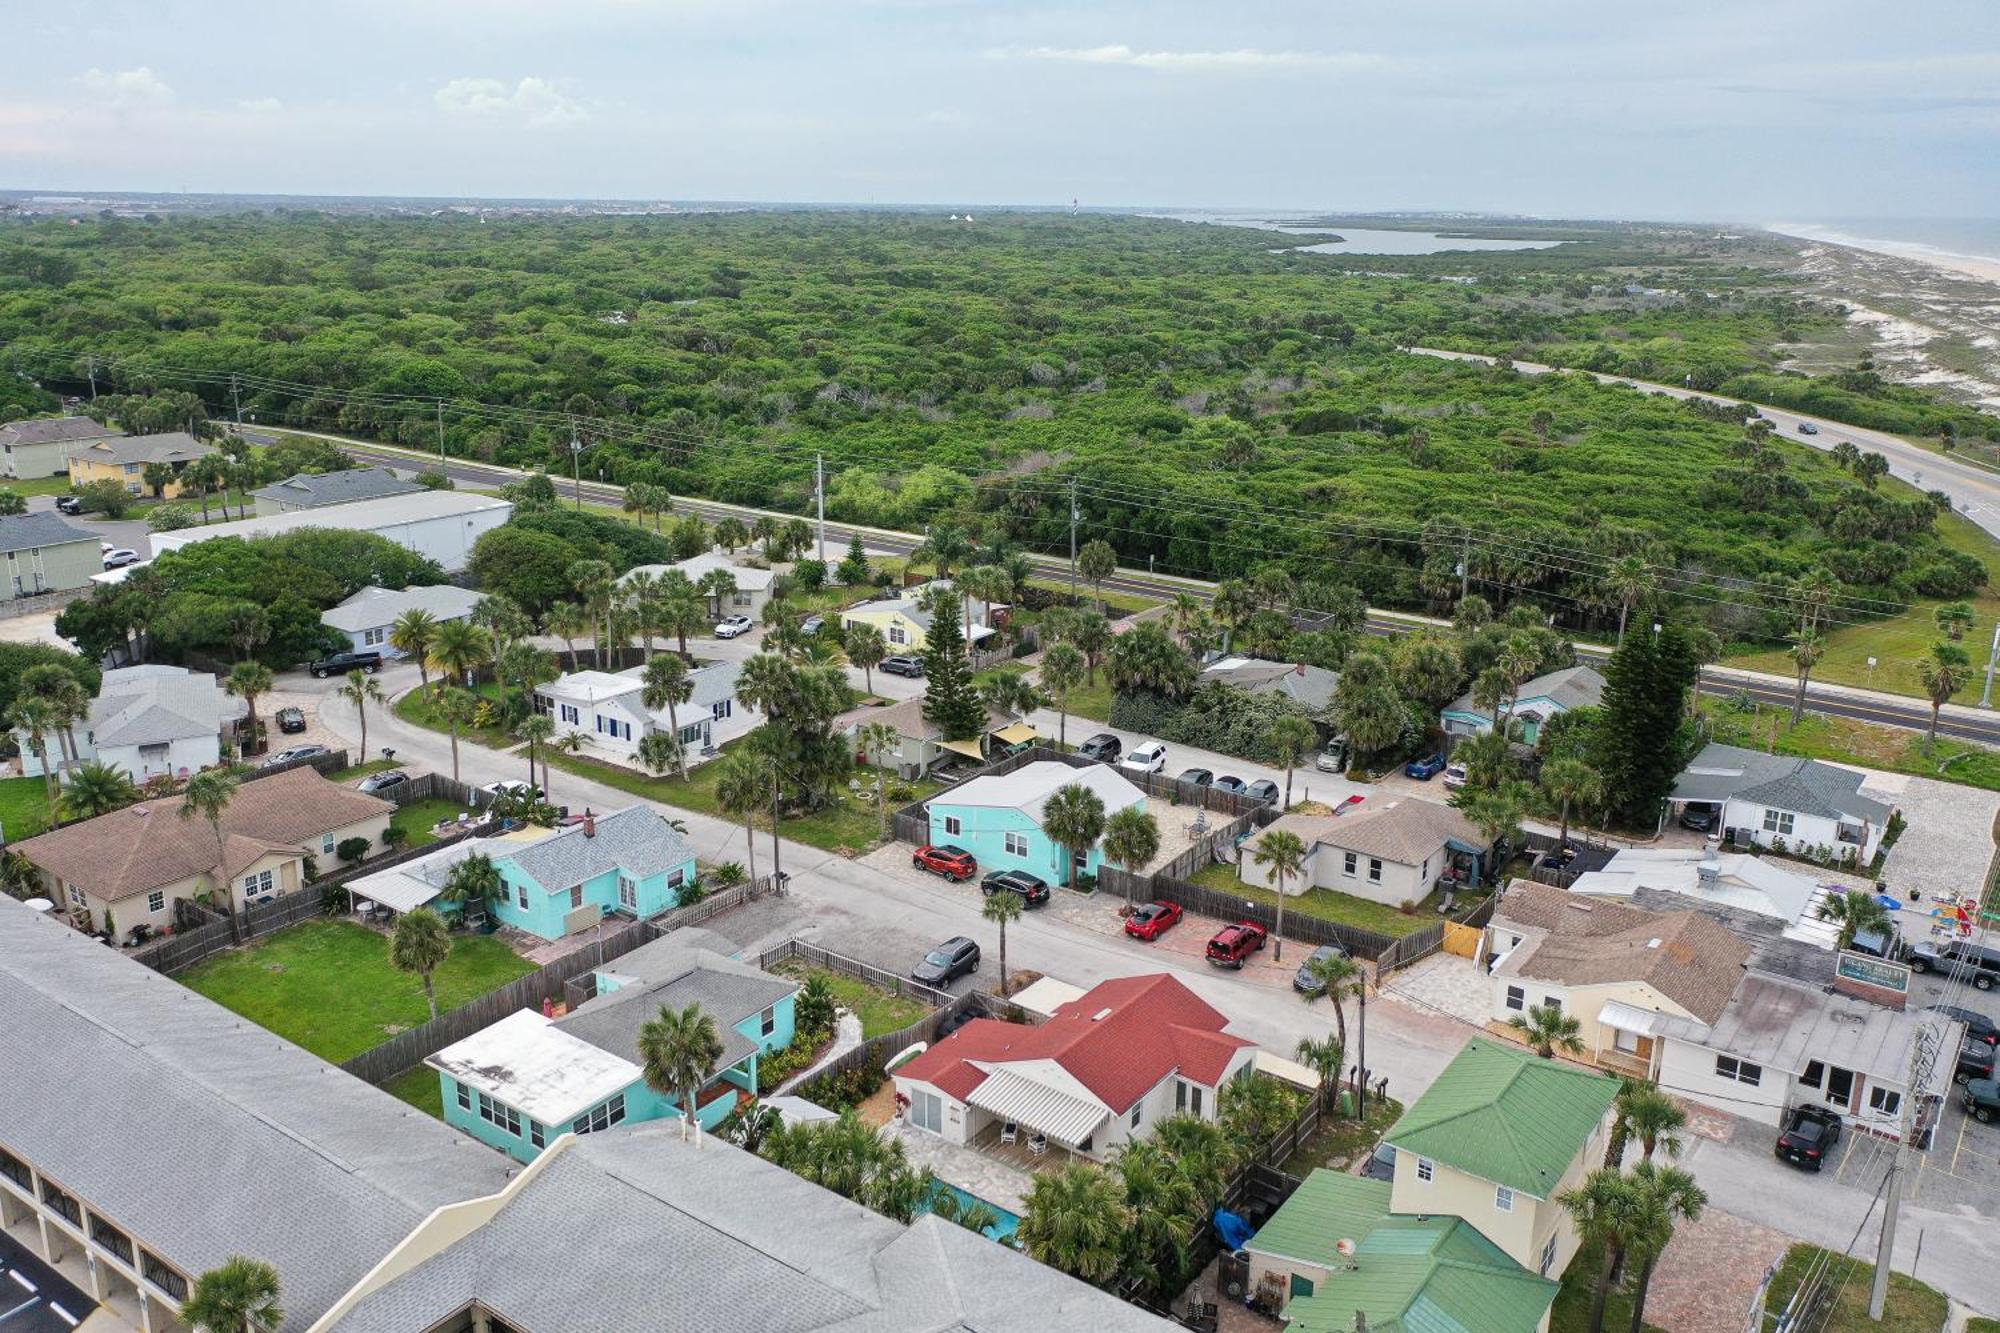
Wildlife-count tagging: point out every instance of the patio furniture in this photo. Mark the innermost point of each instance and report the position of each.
(1009, 1132)
(1038, 1146)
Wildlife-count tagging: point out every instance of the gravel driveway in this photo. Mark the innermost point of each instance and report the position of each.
(1948, 844)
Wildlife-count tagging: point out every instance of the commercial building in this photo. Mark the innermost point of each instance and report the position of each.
(439, 525)
(41, 446)
(150, 722)
(315, 490)
(41, 553)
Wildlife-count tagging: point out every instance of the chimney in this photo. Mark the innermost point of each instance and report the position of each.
(589, 823)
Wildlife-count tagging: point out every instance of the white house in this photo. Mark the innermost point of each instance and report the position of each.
(151, 721)
(608, 709)
(1732, 881)
(753, 585)
(1101, 1073)
(367, 617)
(441, 525)
(1391, 854)
(1785, 803)
(905, 623)
(1539, 699)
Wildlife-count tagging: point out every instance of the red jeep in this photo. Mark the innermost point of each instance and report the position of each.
(954, 863)
(1232, 944)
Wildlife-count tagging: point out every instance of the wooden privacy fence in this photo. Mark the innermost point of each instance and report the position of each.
(1200, 899)
(878, 1051)
(814, 956)
(185, 948)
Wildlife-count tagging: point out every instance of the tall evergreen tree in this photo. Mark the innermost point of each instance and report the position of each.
(950, 702)
(1645, 705)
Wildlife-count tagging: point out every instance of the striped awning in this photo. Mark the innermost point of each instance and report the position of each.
(1034, 1105)
(1629, 1018)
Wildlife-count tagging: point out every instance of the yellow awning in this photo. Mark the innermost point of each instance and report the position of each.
(970, 749)
(1015, 734)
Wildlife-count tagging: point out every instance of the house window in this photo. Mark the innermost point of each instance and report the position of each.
(676, 877)
(927, 1111)
(767, 1022)
(897, 636)
(953, 825)
(464, 1097)
(1884, 1101)
(536, 1136)
(723, 709)
(522, 890)
(1017, 844)
(690, 734)
(575, 897)
(628, 893)
(1374, 870)
(1815, 1075)
(1628, 1042)
(156, 901)
(1426, 1168)
(371, 637)
(1517, 999)
(1301, 1286)
(76, 898)
(1138, 1110)
(1740, 1071)
(1779, 822)
(1503, 1198)
(500, 1115)
(600, 1117)
(326, 845)
(1552, 1003)
(256, 884)
(1187, 1097)
(568, 712)
(1548, 1256)
(1348, 862)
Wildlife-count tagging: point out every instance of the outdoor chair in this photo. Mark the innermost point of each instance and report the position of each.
(1038, 1146)
(1009, 1132)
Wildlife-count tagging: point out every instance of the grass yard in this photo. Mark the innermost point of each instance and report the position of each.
(56, 485)
(24, 807)
(1848, 741)
(1579, 1286)
(1341, 908)
(417, 707)
(420, 1088)
(1339, 1143)
(1090, 703)
(879, 1011)
(419, 817)
(328, 986)
(1912, 1307)
(1981, 1324)
(1116, 603)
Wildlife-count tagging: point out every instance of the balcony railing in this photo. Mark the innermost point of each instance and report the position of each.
(111, 1238)
(161, 1276)
(64, 1205)
(16, 1170)
(1619, 1062)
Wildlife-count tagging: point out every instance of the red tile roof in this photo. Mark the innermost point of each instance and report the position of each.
(1118, 1040)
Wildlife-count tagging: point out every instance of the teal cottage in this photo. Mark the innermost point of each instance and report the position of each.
(999, 818)
(1544, 697)
(531, 1078)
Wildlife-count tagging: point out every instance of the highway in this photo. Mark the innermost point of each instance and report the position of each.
(1957, 721)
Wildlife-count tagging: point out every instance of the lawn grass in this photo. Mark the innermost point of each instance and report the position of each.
(418, 818)
(361, 770)
(1340, 1141)
(1912, 1307)
(24, 807)
(1340, 908)
(879, 1011)
(1849, 741)
(418, 708)
(1979, 1323)
(420, 1088)
(1579, 1286)
(328, 986)
(1091, 702)
(56, 485)
(1127, 603)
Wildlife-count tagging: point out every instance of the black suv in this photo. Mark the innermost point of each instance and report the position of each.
(1034, 890)
(339, 664)
(956, 957)
(903, 664)
(69, 504)
(1809, 1136)
(1975, 1060)
(1103, 747)
(1958, 959)
(1977, 1025)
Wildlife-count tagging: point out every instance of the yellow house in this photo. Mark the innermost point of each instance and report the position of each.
(130, 867)
(124, 460)
(904, 622)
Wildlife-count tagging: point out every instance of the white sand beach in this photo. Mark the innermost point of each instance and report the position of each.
(1984, 267)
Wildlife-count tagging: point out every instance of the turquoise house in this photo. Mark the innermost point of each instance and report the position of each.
(1540, 699)
(999, 818)
(530, 1078)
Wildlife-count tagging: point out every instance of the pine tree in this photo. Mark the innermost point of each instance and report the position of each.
(951, 703)
(854, 570)
(1639, 743)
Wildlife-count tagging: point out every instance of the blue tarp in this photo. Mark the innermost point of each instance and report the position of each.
(1233, 1230)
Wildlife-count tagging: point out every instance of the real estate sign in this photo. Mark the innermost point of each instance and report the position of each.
(1873, 979)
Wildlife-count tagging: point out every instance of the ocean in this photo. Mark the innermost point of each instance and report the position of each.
(1918, 238)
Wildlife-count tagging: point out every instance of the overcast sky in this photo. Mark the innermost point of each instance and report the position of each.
(1712, 109)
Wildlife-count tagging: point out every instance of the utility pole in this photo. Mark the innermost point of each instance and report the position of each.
(1073, 516)
(1921, 1059)
(440, 408)
(575, 463)
(819, 497)
(1986, 699)
(90, 368)
(1465, 564)
(235, 401)
(1361, 1060)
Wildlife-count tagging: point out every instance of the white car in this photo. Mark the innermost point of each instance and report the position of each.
(732, 626)
(1148, 758)
(512, 787)
(1454, 777)
(120, 556)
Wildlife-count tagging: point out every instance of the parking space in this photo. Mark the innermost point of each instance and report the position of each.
(34, 1298)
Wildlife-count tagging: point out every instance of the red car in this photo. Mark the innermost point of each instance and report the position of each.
(954, 863)
(1233, 944)
(1152, 921)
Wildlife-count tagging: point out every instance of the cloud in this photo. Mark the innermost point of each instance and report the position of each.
(127, 89)
(260, 106)
(1199, 61)
(532, 101)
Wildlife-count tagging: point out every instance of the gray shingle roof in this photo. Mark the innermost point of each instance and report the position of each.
(637, 839)
(148, 705)
(174, 446)
(372, 607)
(53, 430)
(1782, 782)
(673, 975)
(673, 1238)
(18, 532)
(1302, 682)
(200, 1133)
(1567, 687)
(308, 490)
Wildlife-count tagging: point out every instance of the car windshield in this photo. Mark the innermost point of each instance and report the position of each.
(1809, 1130)
(1151, 912)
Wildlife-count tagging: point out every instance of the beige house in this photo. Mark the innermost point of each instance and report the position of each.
(41, 446)
(1620, 971)
(923, 745)
(133, 865)
(1391, 854)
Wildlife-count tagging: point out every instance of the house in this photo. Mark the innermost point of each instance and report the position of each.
(904, 622)
(174, 1088)
(753, 585)
(41, 446)
(527, 1079)
(608, 710)
(1495, 1140)
(634, 1229)
(1785, 803)
(1538, 700)
(439, 525)
(1723, 883)
(1392, 854)
(369, 615)
(41, 553)
(152, 722)
(1781, 1041)
(999, 818)
(124, 459)
(1310, 687)
(923, 746)
(130, 867)
(1100, 1073)
(1406, 1274)
(1619, 971)
(312, 490)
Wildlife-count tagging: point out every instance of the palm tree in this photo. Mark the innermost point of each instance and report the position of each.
(1291, 738)
(1076, 1221)
(1548, 1029)
(1606, 1209)
(37, 716)
(592, 581)
(742, 788)
(678, 1052)
(411, 635)
(1131, 839)
(1628, 582)
(1517, 661)
(536, 729)
(1232, 606)
(457, 650)
(659, 751)
(731, 533)
(1808, 646)
(473, 882)
(1164, 1206)
(1654, 1118)
(1074, 817)
(360, 690)
(97, 789)
(1954, 619)
(1097, 562)
(1283, 853)
(208, 794)
(1568, 781)
(457, 707)
(246, 680)
(67, 701)
(945, 544)
(1666, 1195)
(865, 648)
(1854, 911)
(240, 1295)
(881, 740)
(568, 621)
(715, 585)
(1943, 671)
(666, 685)
(1324, 1056)
(419, 945)
(1147, 658)
(1062, 670)
(1001, 907)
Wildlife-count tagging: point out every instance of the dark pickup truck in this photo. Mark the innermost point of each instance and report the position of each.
(339, 664)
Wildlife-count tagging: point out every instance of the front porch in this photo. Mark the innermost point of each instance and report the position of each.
(1020, 1154)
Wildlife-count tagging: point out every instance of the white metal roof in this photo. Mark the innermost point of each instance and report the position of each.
(1047, 995)
(536, 1068)
(371, 516)
(1013, 1095)
(1029, 787)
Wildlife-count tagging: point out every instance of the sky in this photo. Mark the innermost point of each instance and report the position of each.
(1671, 109)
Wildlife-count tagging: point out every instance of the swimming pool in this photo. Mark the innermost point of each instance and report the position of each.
(1002, 1230)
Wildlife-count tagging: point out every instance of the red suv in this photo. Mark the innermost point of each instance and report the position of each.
(1232, 944)
(1152, 921)
(954, 863)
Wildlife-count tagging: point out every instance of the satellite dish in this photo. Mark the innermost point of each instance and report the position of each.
(1344, 1247)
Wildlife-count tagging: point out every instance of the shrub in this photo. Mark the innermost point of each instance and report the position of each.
(727, 875)
(395, 836)
(352, 850)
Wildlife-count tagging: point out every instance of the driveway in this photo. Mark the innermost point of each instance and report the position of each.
(1946, 847)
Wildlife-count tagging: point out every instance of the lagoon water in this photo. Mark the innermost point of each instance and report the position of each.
(1363, 240)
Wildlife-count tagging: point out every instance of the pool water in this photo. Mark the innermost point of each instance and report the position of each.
(1002, 1230)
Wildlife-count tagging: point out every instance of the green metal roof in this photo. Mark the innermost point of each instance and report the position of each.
(1425, 1275)
(1503, 1114)
(1328, 1207)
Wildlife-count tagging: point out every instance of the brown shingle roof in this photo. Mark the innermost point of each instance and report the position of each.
(1683, 955)
(146, 845)
(1405, 831)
